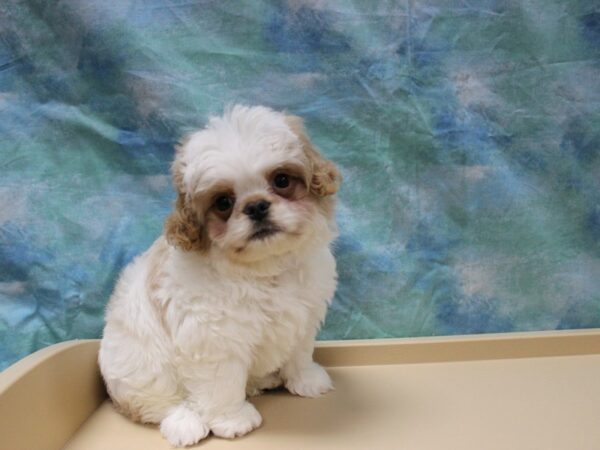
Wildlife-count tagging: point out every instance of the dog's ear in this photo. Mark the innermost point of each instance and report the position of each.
(326, 177)
(183, 228)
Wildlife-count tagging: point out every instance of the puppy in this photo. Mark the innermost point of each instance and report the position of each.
(229, 300)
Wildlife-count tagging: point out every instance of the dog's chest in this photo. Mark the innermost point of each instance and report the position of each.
(285, 311)
(259, 319)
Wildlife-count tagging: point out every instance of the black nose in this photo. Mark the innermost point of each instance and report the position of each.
(257, 210)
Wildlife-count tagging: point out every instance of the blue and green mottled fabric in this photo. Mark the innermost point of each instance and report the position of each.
(468, 134)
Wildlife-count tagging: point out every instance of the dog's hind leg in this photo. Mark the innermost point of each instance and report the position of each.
(256, 385)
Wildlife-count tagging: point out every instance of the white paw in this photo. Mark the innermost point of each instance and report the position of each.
(255, 386)
(238, 423)
(311, 381)
(183, 426)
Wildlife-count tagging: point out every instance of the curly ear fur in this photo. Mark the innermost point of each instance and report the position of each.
(326, 177)
(183, 228)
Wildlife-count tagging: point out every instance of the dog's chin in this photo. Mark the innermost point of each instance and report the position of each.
(265, 243)
(264, 232)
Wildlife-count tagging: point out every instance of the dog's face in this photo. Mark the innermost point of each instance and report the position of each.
(251, 186)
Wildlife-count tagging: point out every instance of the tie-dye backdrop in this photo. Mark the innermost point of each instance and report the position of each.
(468, 133)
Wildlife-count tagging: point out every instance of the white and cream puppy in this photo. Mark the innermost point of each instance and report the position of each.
(229, 300)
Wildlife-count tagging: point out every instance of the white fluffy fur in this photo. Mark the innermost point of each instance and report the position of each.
(190, 333)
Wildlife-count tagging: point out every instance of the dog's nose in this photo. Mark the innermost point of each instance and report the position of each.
(257, 210)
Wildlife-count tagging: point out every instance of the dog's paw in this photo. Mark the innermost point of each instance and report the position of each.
(236, 424)
(183, 426)
(255, 386)
(311, 381)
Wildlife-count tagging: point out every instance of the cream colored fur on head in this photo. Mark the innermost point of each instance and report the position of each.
(228, 302)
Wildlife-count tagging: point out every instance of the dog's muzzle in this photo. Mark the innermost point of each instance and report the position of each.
(258, 210)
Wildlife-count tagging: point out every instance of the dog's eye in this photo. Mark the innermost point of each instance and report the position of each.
(284, 184)
(223, 205)
(281, 181)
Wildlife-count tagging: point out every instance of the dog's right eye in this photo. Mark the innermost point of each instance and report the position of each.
(223, 205)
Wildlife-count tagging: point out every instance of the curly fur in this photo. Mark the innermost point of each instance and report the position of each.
(183, 228)
(325, 177)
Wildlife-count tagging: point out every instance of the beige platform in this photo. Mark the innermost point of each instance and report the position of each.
(513, 391)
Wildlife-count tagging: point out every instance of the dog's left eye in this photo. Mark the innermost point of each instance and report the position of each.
(284, 185)
(281, 181)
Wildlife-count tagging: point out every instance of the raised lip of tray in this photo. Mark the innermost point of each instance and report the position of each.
(360, 352)
(440, 349)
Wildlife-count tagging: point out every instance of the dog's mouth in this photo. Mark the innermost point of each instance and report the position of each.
(264, 232)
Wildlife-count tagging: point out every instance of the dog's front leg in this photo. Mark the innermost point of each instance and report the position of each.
(218, 390)
(303, 376)
(216, 401)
